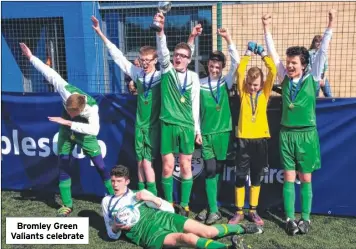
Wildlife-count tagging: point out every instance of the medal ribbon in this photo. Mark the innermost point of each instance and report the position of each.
(182, 89)
(112, 197)
(293, 94)
(217, 97)
(147, 89)
(254, 104)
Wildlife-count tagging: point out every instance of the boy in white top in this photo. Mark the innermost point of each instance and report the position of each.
(79, 125)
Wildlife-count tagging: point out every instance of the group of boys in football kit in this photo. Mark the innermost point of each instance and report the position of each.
(175, 110)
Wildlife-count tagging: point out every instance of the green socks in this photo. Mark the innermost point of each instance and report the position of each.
(167, 185)
(210, 244)
(187, 185)
(66, 192)
(141, 185)
(289, 199)
(211, 192)
(108, 187)
(228, 229)
(151, 186)
(306, 194)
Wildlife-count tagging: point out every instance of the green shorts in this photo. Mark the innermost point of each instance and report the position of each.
(215, 145)
(177, 139)
(67, 139)
(299, 149)
(151, 234)
(147, 143)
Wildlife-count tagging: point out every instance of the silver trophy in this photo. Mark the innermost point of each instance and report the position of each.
(163, 7)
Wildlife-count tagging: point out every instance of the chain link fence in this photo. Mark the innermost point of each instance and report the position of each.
(126, 24)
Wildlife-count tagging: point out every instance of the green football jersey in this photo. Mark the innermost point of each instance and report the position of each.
(176, 108)
(149, 103)
(72, 90)
(301, 111)
(215, 116)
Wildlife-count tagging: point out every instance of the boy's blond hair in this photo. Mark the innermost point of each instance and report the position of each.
(253, 73)
(148, 50)
(75, 103)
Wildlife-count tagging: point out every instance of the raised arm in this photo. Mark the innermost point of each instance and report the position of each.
(50, 75)
(271, 76)
(162, 50)
(234, 56)
(153, 201)
(266, 21)
(125, 65)
(241, 73)
(196, 31)
(321, 56)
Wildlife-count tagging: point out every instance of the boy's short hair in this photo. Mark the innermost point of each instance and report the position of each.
(218, 56)
(183, 45)
(75, 102)
(145, 50)
(302, 52)
(253, 73)
(120, 171)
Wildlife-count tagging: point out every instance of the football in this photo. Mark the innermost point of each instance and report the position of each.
(128, 215)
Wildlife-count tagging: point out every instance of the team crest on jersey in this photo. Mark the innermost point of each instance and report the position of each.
(197, 165)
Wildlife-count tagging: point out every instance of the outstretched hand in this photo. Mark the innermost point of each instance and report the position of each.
(95, 25)
(198, 139)
(267, 19)
(25, 50)
(159, 18)
(332, 14)
(224, 33)
(197, 30)
(60, 120)
(144, 195)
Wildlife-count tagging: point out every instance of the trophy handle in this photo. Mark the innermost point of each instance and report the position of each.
(155, 25)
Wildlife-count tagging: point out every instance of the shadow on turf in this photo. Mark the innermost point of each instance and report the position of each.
(49, 198)
(46, 197)
(96, 221)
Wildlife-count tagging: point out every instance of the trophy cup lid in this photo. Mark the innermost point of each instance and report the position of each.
(164, 7)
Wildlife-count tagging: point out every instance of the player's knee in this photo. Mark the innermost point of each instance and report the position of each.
(220, 166)
(255, 179)
(185, 161)
(168, 167)
(208, 233)
(63, 160)
(146, 166)
(210, 168)
(185, 167)
(240, 181)
(167, 171)
(188, 238)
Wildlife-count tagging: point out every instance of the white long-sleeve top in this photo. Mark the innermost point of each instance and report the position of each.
(319, 61)
(128, 198)
(91, 110)
(166, 65)
(136, 73)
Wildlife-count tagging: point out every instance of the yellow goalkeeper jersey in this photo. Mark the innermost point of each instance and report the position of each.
(254, 125)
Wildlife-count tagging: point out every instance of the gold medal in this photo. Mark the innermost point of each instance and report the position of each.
(253, 119)
(291, 106)
(218, 108)
(72, 137)
(146, 102)
(182, 99)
